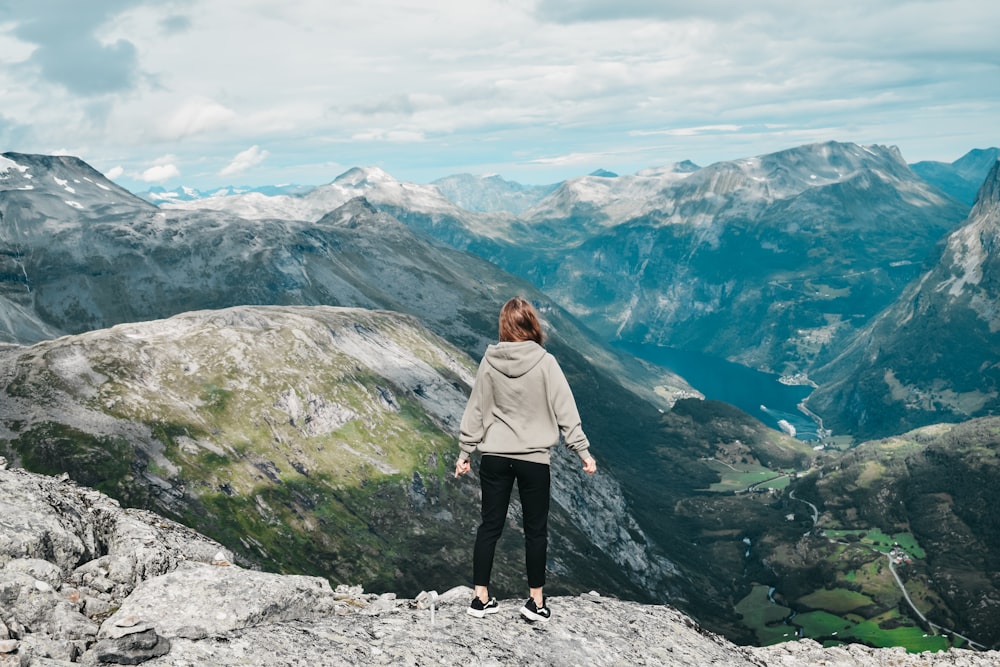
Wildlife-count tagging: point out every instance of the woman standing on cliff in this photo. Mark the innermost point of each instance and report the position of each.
(519, 406)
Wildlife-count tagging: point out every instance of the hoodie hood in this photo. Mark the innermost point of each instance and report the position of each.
(515, 359)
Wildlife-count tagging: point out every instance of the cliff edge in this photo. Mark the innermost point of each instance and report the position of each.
(85, 581)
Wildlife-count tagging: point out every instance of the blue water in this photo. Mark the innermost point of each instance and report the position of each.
(756, 393)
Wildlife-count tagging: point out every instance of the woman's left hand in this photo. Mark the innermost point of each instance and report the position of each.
(590, 466)
(462, 466)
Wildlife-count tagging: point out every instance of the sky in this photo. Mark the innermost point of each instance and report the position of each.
(207, 93)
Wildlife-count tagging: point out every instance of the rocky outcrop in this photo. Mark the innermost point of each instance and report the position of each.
(84, 581)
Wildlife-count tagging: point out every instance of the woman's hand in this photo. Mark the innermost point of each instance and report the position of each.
(590, 466)
(462, 466)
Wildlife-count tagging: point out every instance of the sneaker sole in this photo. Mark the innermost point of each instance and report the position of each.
(481, 614)
(531, 616)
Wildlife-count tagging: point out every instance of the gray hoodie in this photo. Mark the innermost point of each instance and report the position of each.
(520, 404)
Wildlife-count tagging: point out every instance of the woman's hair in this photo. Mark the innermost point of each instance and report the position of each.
(519, 322)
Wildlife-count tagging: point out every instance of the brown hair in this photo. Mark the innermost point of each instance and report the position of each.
(519, 322)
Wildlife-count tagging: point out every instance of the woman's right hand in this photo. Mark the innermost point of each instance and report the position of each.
(462, 466)
(590, 466)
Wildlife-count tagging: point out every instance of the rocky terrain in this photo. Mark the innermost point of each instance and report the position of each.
(84, 581)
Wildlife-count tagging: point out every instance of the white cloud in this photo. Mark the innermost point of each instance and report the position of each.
(251, 157)
(196, 117)
(159, 173)
(495, 84)
(114, 173)
(688, 131)
(397, 136)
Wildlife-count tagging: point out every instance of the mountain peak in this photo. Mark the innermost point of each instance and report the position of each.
(359, 213)
(68, 181)
(988, 198)
(362, 176)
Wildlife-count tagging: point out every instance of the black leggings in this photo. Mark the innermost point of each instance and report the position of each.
(496, 477)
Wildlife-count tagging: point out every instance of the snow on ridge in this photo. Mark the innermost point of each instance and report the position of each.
(6, 164)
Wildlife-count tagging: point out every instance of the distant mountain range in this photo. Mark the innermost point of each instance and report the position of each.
(962, 178)
(771, 261)
(161, 195)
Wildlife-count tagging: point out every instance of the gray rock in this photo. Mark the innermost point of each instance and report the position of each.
(40, 646)
(96, 607)
(41, 570)
(13, 660)
(132, 649)
(585, 630)
(220, 599)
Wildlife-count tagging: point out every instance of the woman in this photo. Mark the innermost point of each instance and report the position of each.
(519, 406)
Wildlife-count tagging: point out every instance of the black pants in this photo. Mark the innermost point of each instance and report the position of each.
(497, 475)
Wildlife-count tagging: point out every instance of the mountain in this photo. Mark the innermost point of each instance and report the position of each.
(768, 261)
(306, 439)
(960, 179)
(772, 262)
(160, 195)
(931, 355)
(584, 205)
(490, 194)
(110, 258)
(423, 207)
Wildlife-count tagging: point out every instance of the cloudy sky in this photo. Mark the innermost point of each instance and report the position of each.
(215, 92)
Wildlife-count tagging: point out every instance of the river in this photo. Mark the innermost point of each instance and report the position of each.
(756, 393)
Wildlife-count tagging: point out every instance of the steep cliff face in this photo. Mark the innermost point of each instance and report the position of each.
(932, 355)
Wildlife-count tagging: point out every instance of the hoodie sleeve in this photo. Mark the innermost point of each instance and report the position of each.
(473, 428)
(567, 416)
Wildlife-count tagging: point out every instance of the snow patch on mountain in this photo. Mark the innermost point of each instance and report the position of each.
(6, 164)
(64, 184)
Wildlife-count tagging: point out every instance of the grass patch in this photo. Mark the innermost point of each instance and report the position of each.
(741, 476)
(104, 463)
(821, 624)
(909, 544)
(912, 638)
(835, 600)
(764, 617)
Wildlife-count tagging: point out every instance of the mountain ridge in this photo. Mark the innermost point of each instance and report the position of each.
(889, 377)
